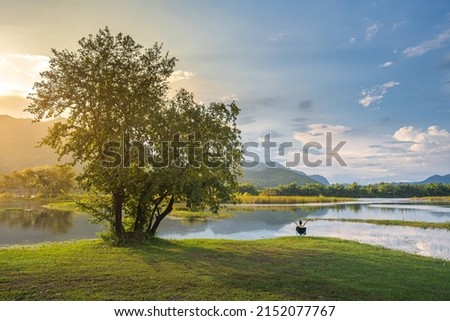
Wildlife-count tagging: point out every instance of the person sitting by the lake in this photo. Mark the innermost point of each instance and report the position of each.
(301, 228)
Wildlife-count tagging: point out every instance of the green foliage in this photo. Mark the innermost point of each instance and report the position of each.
(43, 181)
(97, 204)
(247, 188)
(276, 199)
(385, 190)
(119, 123)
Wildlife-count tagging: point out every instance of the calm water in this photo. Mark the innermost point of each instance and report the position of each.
(35, 224)
(40, 225)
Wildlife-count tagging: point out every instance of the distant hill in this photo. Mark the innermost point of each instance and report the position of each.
(18, 140)
(263, 176)
(435, 179)
(321, 179)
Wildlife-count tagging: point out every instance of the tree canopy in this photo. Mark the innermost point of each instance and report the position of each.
(45, 181)
(384, 190)
(142, 150)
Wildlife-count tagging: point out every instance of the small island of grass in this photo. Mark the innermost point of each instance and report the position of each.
(424, 225)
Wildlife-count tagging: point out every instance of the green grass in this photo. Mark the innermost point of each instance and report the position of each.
(289, 268)
(12, 209)
(434, 199)
(200, 215)
(63, 206)
(263, 199)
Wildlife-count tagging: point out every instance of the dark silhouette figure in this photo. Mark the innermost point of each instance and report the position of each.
(300, 228)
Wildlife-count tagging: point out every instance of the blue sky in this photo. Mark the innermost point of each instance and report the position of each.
(374, 73)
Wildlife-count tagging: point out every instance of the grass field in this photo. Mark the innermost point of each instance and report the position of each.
(289, 268)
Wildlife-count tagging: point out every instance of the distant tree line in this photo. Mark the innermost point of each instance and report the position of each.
(41, 181)
(385, 190)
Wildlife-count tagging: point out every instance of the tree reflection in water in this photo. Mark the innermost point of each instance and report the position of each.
(56, 222)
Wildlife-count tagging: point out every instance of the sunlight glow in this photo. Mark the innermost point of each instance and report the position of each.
(18, 73)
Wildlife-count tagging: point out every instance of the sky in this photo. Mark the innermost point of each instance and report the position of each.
(375, 74)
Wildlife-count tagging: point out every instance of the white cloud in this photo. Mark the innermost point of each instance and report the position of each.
(433, 139)
(352, 40)
(276, 37)
(18, 73)
(398, 25)
(407, 134)
(386, 64)
(228, 98)
(318, 131)
(181, 75)
(372, 30)
(376, 93)
(426, 46)
(377, 157)
(390, 84)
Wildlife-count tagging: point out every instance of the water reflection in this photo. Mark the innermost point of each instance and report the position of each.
(34, 224)
(365, 210)
(262, 223)
(420, 213)
(41, 219)
(429, 242)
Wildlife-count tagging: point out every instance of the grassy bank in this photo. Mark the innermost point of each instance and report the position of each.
(434, 199)
(290, 268)
(243, 199)
(63, 206)
(425, 225)
(200, 215)
(177, 212)
(262, 199)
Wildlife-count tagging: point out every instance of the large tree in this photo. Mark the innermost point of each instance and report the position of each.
(141, 150)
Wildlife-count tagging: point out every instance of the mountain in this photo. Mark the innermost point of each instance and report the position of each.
(435, 179)
(318, 178)
(18, 140)
(263, 176)
(321, 179)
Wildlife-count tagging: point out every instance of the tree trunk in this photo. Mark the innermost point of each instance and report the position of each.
(139, 221)
(141, 210)
(160, 217)
(155, 210)
(117, 199)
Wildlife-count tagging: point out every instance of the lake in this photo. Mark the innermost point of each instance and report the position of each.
(37, 224)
